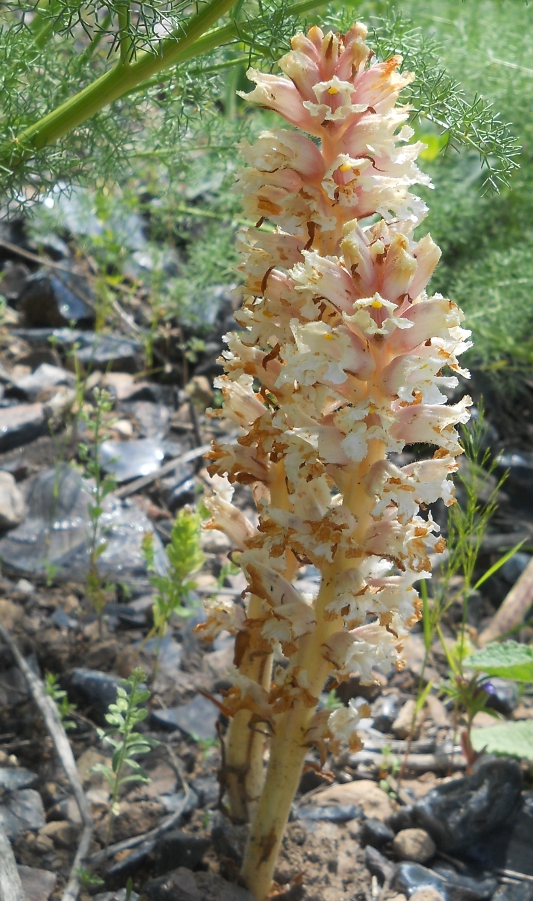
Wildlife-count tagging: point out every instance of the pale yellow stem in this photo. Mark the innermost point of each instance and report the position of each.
(244, 770)
(287, 755)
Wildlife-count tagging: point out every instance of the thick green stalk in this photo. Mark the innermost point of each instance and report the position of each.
(190, 43)
(110, 87)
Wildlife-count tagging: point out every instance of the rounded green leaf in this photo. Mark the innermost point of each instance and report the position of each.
(509, 660)
(512, 739)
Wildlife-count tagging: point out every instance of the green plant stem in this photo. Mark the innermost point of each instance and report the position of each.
(124, 21)
(121, 79)
(90, 49)
(44, 25)
(110, 86)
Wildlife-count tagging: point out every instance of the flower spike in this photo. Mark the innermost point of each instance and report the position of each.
(342, 360)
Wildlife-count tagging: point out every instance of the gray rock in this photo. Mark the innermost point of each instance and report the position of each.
(340, 813)
(197, 718)
(184, 885)
(414, 844)
(20, 424)
(23, 810)
(56, 300)
(56, 530)
(513, 568)
(502, 695)
(384, 711)
(522, 891)
(130, 459)
(378, 865)
(180, 849)
(44, 377)
(407, 721)
(15, 778)
(465, 888)
(119, 895)
(11, 501)
(101, 351)
(94, 689)
(411, 877)
(509, 847)
(152, 418)
(208, 790)
(519, 482)
(229, 840)
(375, 833)
(12, 280)
(460, 812)
(37, 884)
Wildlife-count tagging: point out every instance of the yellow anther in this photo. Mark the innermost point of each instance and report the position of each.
(333, 90)
(371, 409)
(345, 167)
(329, 337)
(376, 304)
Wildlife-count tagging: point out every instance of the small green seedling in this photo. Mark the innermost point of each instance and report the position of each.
(124, 715)
(102, 486)
(60, 699)
(185, 558)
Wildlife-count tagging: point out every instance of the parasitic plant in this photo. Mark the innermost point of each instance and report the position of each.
(339, 365)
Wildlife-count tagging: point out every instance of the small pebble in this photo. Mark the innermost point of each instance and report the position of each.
(426, 894)
(376, 833)
(414, 844)
(24, 587)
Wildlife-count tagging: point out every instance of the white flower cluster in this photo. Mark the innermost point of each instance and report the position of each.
(340, 363)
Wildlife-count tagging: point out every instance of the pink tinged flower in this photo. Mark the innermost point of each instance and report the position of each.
(325, 277)
(359, 260)
(354, 56)
(349, 588)
(427, 255)
(359, 650)
(386, 537)
(242, 405)
(429, 319)
(225, 516)
(249, 689)
(432, 424)
(344, 171)
(398, 269)
(281, 95)
(333, 101)
(431, 478)
(249, 463)
(380, 85)
(325, 355)
(413, 377)
(376, 316)
(267, 583)
(302, 65)
(281, 149)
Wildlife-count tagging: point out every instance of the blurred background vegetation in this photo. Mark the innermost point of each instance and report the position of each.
(152, 204)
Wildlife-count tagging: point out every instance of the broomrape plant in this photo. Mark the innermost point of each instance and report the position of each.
(339, 365)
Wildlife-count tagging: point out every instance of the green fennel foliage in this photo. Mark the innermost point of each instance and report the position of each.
(185, 558)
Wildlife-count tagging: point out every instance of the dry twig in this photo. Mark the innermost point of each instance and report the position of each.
(64, 752)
